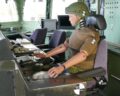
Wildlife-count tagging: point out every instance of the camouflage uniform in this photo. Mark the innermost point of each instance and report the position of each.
(84, 38)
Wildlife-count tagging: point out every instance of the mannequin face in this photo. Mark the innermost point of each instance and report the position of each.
(74, 19)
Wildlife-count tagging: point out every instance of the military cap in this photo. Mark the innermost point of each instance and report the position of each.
(78, 8)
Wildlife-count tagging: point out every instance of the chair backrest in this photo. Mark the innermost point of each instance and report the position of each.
(38, 36)
(99, 22)
(101, 56)
(57, 38)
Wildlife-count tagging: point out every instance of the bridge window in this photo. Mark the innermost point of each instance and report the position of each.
(58, 7)
(34, 10)
(8, 11)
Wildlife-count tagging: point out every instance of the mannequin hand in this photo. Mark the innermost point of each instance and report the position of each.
(55, 71)
(40, 55)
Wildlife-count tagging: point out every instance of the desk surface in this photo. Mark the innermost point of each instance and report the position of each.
(55, 82)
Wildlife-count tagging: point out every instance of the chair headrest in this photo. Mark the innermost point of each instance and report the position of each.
(98, 21)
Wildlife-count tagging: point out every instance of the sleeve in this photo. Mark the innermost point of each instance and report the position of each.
(89, 45)
(66, 43)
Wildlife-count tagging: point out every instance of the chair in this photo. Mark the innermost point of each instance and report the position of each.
(57, 38)
(98, 21)
(100, 72)
(101, 56)
(38, 36)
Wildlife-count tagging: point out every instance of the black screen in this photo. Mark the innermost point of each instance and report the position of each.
(64, 23)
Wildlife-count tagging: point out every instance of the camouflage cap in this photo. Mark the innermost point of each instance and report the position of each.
(78, 8)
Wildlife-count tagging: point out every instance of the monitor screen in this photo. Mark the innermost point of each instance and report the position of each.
(64, 23)
(50, 24)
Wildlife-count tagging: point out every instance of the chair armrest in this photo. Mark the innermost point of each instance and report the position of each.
(96, 72)
(25, 36)
(28, 33)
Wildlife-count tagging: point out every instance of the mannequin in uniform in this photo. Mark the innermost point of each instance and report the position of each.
(81, 46)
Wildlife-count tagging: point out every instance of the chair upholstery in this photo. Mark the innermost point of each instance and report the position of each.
(38, 36)
(100, 82)
(101, 56)
(57, 38)
(98, 21)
